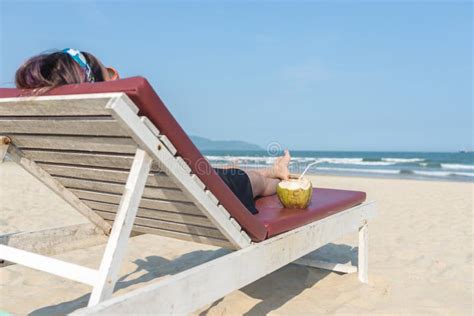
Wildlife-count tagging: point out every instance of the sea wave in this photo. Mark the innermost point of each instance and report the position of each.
(443, 173)
(457, 166)
(464, 174)
(430, 164)
(371, 159)
(382, 171)
(401, 172)
(403, 160)
(367, 161)
(353, 161)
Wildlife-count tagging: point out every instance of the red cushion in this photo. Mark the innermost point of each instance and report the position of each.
(324, 202)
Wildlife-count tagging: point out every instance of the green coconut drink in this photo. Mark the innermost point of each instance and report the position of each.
(295, 193)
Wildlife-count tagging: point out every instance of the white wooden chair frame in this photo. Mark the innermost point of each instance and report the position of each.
(205, 283)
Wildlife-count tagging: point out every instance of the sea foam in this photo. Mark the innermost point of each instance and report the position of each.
(457, 166)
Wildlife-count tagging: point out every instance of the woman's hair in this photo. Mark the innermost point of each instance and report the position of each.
(50, 70)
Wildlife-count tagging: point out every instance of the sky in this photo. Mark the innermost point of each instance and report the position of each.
(314, 75)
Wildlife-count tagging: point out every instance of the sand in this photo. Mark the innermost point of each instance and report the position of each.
(28, 205)
(421, 256)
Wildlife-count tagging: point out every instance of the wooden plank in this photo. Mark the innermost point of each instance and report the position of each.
(150, 125)
(246, 237)
(112, 161)
(85, 159)
(48, 106)
(93, 127)
(168, 144)
(160, 180)
(120, 176)
(212, 280)
(178, 227)
(147, 140)
(363, 253)
(97, 144)
(116, 246)
(234, 222)
(155, 214)
(213, 199)
(109, 187)
(54, 266)
(81, 98)
(172, 206)
(53, 241)
(198, 181)
(30, 166)
(182, 236)
(223, 210)
(183, 164)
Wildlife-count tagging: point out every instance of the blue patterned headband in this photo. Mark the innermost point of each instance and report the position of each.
(82, 61)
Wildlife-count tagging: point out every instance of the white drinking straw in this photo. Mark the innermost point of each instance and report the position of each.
(307, 168)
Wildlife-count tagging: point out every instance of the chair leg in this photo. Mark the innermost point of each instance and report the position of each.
(363, 253)
(127, 210)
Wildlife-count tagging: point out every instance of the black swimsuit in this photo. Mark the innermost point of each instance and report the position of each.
(239, 183)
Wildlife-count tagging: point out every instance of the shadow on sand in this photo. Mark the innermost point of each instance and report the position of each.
(274, 290)
(279, 287)
(155, 267)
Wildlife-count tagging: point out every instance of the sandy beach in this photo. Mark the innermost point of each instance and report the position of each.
(421, 256)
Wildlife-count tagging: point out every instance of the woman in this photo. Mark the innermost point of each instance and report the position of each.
(70, 66)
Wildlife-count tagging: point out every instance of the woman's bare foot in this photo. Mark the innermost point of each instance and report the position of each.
(280, 167)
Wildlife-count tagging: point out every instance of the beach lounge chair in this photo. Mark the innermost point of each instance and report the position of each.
(115, 153)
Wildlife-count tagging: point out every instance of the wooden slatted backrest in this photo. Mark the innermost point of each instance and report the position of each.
(77, 140)
(172, 136)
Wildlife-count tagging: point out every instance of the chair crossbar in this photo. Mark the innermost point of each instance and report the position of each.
(51, 265)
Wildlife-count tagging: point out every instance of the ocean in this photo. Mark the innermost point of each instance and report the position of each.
(406, 165)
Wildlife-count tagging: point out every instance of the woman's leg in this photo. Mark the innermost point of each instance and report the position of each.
(265, 181)
(261, 185)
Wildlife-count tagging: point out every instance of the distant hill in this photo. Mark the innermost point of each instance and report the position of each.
(209, 144)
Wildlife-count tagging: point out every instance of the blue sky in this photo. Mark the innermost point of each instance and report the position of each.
(382, 76)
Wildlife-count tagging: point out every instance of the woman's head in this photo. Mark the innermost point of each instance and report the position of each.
(59, 68)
